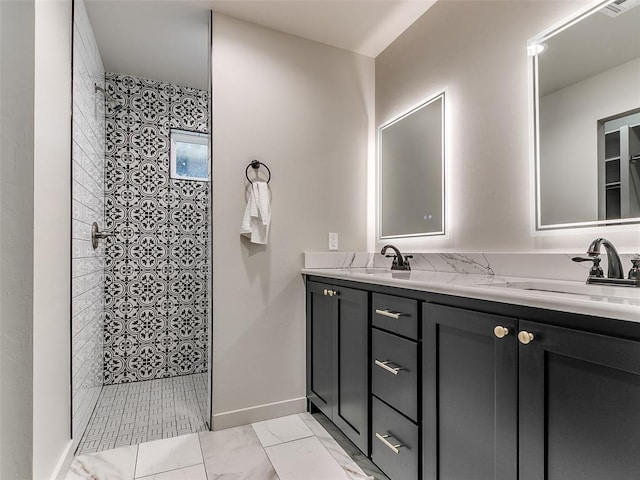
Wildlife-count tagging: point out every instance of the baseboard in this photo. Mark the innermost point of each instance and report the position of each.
(60, 472)
(259, 413)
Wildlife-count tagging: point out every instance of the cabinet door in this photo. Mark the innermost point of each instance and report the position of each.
(469, 395)
(320, 345)
(351, 361)
(579, 405)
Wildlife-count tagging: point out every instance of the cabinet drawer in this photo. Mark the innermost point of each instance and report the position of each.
(397, 452)
(394, 371)
(396, 314)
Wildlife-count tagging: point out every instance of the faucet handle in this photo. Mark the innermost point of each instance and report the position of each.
(634, 273)
(596, 269)
(394, 263)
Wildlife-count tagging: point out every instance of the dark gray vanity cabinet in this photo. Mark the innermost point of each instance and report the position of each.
(337, 357)
(395, 384)
(507, 399)
(579, 405)
(467, 389)
(469, 395)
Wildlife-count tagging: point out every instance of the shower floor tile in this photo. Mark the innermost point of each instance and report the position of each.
(133, 413)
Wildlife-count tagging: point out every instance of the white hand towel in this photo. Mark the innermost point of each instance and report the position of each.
(257, 215)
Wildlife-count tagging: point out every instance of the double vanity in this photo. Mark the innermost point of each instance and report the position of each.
(471, 374)
(440, 375)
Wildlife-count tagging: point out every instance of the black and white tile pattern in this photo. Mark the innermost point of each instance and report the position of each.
(158, 264)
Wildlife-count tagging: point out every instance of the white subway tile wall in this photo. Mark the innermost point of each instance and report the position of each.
(88, 139)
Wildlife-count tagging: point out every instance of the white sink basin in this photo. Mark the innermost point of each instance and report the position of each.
(571, 288)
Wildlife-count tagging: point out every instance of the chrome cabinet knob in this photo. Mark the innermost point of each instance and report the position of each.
(525, 337)
(500, 331)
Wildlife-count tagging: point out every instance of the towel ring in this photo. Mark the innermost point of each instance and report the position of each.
(255, 164)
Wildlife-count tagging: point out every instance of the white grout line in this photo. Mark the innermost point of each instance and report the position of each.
(135, 465)
(265, 451)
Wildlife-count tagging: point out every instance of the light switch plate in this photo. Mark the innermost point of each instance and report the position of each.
(333, 241)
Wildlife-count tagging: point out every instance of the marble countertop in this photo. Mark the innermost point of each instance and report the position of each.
(621, 303)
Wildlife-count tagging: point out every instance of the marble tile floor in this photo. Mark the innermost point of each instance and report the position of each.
(137, 412)
(295, 447)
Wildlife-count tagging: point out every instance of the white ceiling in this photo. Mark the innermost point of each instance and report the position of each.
(168, 39)
(160, 40)
(362, 26)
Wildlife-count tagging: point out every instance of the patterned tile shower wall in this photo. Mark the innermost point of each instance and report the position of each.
(88, 206)
(158, 263)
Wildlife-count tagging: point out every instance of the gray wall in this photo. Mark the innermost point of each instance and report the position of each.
(87, 272)
(51, 235)
(35, 174)
(16, 238)
(477, 51)
(304, 109)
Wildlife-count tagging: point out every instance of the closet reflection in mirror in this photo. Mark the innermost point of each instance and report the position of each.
(411, 172)
(588, 135)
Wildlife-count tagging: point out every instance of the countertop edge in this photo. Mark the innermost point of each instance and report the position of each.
(550, 301)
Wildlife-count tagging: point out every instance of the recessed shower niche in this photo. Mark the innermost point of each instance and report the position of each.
(141, 300)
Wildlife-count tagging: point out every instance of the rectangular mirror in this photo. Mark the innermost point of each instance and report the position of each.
(587, 104)
(411, 172)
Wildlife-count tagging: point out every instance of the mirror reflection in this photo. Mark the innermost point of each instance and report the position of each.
(588, 119)
(411, 172)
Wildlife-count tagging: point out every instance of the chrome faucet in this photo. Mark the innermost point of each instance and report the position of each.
(614, 264)
(399, 262)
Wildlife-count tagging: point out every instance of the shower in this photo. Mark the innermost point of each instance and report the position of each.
(141, 296)
(115, 105)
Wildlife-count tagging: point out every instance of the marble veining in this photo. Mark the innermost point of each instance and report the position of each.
(553, 266)
(194, 472)
(119, 463)
(168, 454)
(469, 264)
(280, 430)
(305, 451)
(235, 453)
(304, 459)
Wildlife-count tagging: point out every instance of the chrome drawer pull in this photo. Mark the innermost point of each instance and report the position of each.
(389, 314)
(386, 366)
(393, 448)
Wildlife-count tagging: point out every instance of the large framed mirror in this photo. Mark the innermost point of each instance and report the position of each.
(586, 96)
(411, 172)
